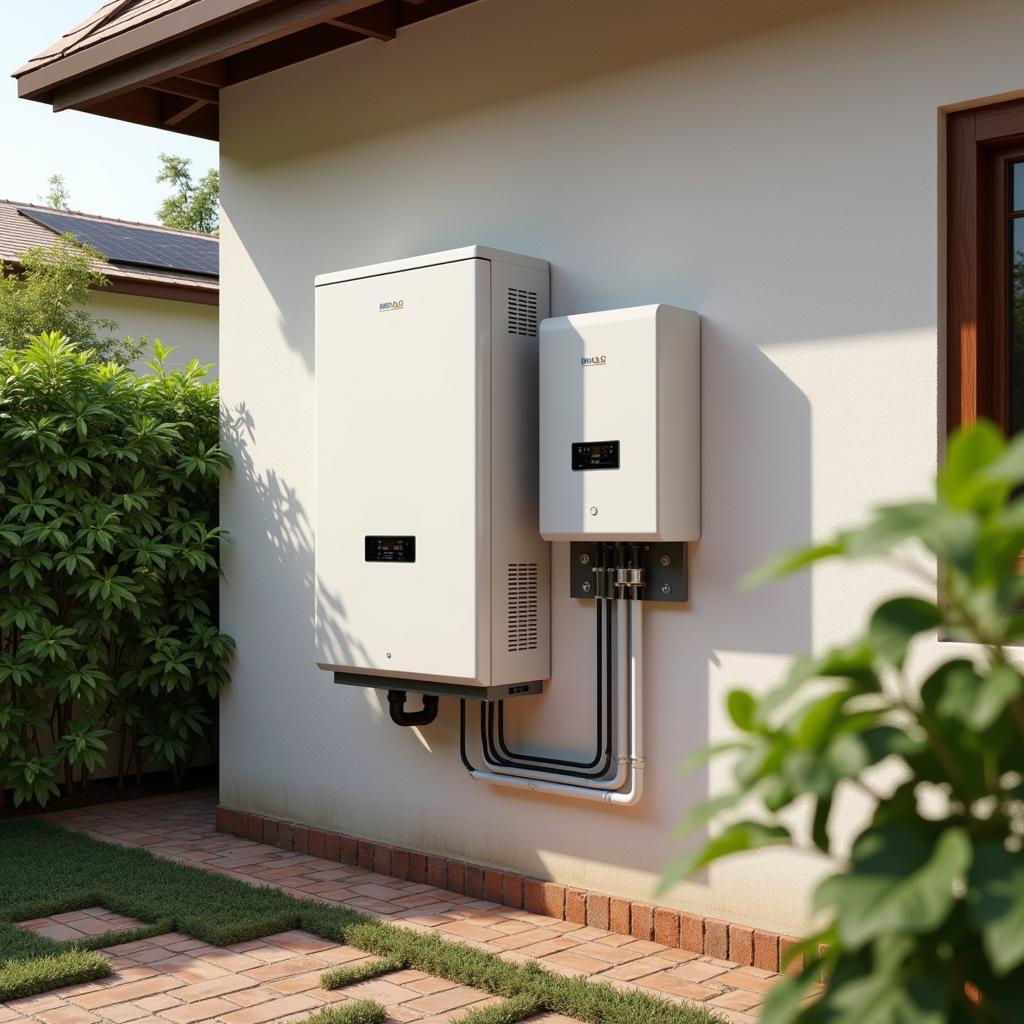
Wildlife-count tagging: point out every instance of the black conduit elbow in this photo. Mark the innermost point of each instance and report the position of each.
(396, 705)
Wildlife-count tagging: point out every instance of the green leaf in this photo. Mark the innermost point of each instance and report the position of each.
(996, 902)
(882, 999)
(901, 879)
(741, 706)
(1008, 467)
(789, 562)
(704, 812)
(786, 998)
(957, 691)
(817, 724)
(892, 526)
(970, 452)
(895, 623)
(819, 825)
(736, 838)
(700, 757)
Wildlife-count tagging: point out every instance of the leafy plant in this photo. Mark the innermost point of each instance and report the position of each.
(49, 290)
(194, 205)
(924, 922)
(58, 197)
(108, 541)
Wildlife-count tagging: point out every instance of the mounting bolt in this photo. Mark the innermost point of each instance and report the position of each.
(387, 654)
(666, 588)
(665, 561)
(586, 587)
(584, 559)
(593, 510)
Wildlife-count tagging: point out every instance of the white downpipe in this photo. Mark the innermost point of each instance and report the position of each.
(629, 664)
(620, 750)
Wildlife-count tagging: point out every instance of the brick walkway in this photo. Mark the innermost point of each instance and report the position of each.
(172, 979)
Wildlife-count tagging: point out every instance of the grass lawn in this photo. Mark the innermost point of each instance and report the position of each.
(47, 870)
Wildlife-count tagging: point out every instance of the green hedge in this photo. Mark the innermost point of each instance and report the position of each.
(109, 644)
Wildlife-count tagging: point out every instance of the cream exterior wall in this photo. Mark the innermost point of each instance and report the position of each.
(189, 327)
(775, 167)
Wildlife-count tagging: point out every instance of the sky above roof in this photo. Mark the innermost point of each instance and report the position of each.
(109, 166)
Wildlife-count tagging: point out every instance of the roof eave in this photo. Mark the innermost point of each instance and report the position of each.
(140, 74)
(174, 291)
(33, 82)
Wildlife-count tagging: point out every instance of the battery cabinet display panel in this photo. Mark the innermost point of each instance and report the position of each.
(429, 566)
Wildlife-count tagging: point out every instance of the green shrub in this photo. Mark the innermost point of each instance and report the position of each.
(928, 910)
(108, 544)
(50, 292)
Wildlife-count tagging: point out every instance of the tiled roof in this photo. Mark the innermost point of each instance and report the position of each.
(18, 233)
(113, 18)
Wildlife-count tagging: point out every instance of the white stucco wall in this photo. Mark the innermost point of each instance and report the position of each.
(189, 327)
(783, 180)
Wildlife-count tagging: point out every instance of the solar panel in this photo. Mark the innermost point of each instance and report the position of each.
(138, 246)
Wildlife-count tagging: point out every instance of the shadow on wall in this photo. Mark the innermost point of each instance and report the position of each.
(567, 50)
(286, 526)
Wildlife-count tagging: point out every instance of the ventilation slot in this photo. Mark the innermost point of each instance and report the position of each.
(522, 606)
(522, 312)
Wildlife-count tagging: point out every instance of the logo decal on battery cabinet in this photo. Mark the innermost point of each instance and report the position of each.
(387, 307)
(593, 360)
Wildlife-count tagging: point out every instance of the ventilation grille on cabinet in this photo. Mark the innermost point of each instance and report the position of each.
(522, 606)
(522, 312)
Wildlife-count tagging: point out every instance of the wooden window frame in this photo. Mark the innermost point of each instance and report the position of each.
(980, 143)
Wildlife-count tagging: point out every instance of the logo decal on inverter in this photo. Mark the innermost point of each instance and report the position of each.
(387, 307)
(593, 360)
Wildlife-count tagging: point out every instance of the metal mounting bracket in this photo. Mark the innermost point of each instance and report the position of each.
(664, 566)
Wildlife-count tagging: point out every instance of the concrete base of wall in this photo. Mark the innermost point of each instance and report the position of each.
(705, 935)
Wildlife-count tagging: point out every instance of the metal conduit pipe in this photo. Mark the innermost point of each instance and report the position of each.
(632, 792)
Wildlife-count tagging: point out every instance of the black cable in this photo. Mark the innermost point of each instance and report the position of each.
(604, 682)
(462, 736)
(560, 766)
(569, 768)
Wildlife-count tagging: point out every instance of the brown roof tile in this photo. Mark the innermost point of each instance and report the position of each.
(18, 233)
(113, 18)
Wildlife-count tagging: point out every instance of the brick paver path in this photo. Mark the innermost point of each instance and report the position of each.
(80, 924)
(172, 979)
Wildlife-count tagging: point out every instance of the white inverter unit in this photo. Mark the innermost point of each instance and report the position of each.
(620, 425)
(431, 575)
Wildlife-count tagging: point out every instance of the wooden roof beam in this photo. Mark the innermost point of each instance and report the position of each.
(146, 107)
(254, 29)
(379, 21)
(182, 113)
(298, 46)
(186, 87)
(215, 74)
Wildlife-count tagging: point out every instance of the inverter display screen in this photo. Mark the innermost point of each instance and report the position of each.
(595, 455)
(390, 549)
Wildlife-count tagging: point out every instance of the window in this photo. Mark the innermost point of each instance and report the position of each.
(985, 265)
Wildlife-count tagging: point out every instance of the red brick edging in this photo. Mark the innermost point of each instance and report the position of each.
(704, 935)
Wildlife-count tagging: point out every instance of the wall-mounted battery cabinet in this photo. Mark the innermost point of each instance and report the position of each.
(620, 425)
(430, 573)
